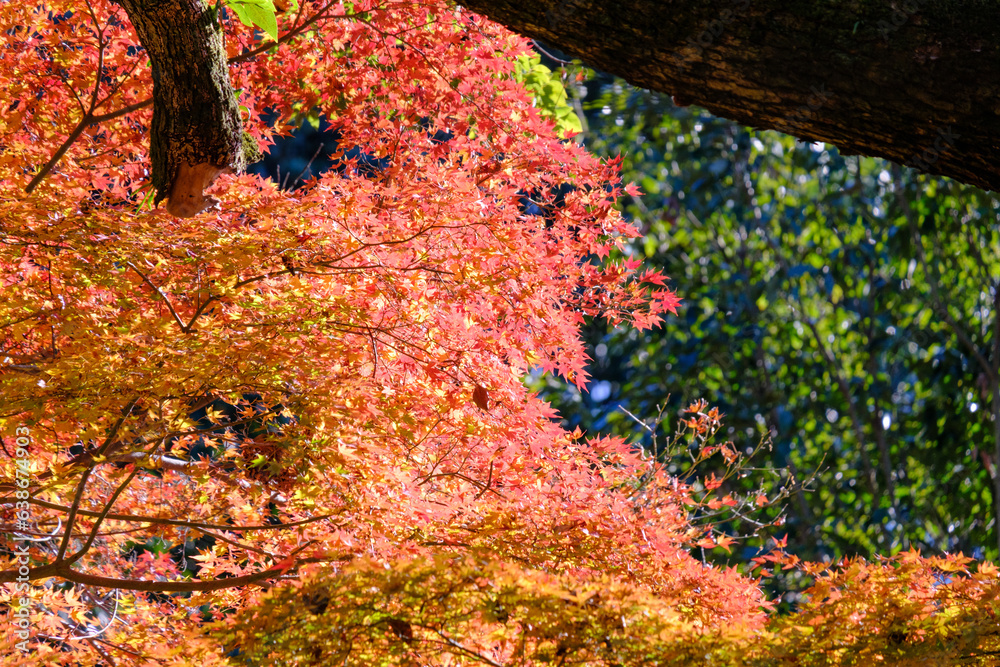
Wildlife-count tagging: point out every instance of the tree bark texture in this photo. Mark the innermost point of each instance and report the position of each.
(196, 132)
(914, 81)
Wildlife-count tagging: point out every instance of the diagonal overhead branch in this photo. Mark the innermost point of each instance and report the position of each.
(915, 81)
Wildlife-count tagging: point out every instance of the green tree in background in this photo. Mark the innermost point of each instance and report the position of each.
(844, 306)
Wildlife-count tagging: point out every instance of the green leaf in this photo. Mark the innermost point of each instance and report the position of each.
(549, 94)
(256, 13)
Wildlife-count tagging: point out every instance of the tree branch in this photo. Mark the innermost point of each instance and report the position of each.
(918, 92)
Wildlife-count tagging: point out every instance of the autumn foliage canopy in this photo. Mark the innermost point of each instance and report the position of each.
(292, 430)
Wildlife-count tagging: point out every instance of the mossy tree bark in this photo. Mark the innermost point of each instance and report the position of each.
(196, 132)
(915, 81)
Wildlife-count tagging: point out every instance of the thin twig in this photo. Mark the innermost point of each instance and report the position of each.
(174, 522)
(74, 135)
(170, 306)
(75, 507)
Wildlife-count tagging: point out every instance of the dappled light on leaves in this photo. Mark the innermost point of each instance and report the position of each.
(312, 399)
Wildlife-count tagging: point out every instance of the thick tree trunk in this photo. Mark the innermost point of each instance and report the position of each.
(196, 132)
(915, 81)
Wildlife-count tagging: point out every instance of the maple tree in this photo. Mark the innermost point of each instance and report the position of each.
(292, 429)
